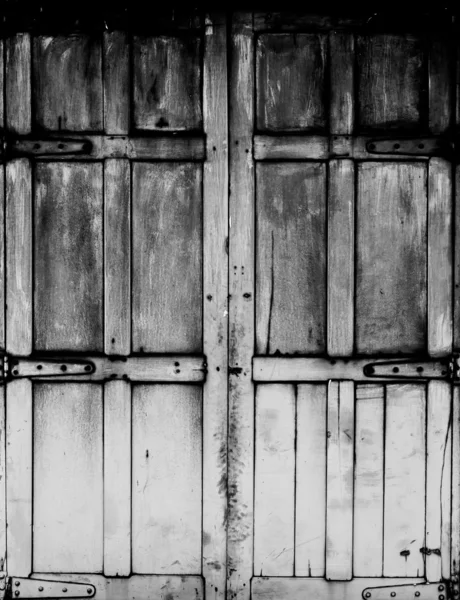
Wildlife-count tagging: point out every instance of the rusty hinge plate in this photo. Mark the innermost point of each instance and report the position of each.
(27, 147)
(16, 368)
(445, 368)
(21, 587)
(416, 591)
(427, 146)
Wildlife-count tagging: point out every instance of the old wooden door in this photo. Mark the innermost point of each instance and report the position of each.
(341, 208)
(115, 267)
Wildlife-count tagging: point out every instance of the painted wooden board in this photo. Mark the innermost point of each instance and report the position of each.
(291, 258)
(404, 508)
(116, 82)
(117, 478)
(391, 258)
(390, 75)
(368, 490)
(67, 79)
(68, 257)
(117, 257)
(68, 478)
(167, 259)
(341, 49)
(19, 479)
(166, 83)
(339, 484)
(310, 481)
(18, 83)
(274, 509)
(340, 258)
(439, 476)
(291, 81)
(166, 479)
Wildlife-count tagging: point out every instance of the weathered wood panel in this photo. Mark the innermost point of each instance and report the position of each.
(274, 491)
(3, 515)
(215, 308)
(67, 78)
(342, 109)
(167, 79)
(391, 258)
(19, 479)
(167, 257)
(18, 257)
(117, 256)
(438, 476)
(455, 499)
(166, 479)
(456, 262)
(440, 98)
(310, 481)
(291, 82)
(68, 257)
(117, 478)
(340, 264)
(368, 492)
(291, 258)
(390, 81)
(2, 252)
(116, 82)
(339, 484)
(404, 512)
(18, 93)
(440, 207)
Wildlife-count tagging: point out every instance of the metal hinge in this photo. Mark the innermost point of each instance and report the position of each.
(444, 368)
(15, 146)
(426, 146)
(15, 368)
(419, 591)
(22, 587)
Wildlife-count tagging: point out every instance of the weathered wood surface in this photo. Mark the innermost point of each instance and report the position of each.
(68, 257)
(342, 108)
(456, 262)
(455, 498)
(241, 310)
(117, 478)
(274, 486)
(215, 306)
(404, 508)
(166, 83)
(167, 257)
(391, 258)
(166, 479)
(310, 481)
(291, 258)
(2, 253)
(117, 257)
(18, 257)
(440, 206)
(18, 83)
(67, 79)
(368, 490)
(440, 98)
(116, 82)
(339, 482)
(390, 81)
(3, 514)
(68, 478)
(340, 259)
(291, 82)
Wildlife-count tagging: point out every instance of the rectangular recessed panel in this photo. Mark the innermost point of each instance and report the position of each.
(291, 91)
(167, 257)
(391, 258)
(67, 78)
(68, 257)
(167, 82)
(392, 83)
(291, 258)
(166, 479)
(68, 502)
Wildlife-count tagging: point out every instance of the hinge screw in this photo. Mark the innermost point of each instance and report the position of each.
(368, 594)
(393, 594)
(16, 593)
(17, 583)
(441, 588)
(89, 590)
(40, 589)
(64, 589)
(417, 594)
(441, 597)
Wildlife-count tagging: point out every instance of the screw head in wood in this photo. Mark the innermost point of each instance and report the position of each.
(393, 594)
(40, 589)
(417, 594)
(17, 583)
(368, 594)
(441, 597)
(89, 590)
(64, 590)
(441, 588)
(16, 593)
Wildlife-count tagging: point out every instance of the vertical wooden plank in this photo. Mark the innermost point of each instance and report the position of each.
(439, 257)
(456, 323)
(274, 507)
(455, 545)
(342, 110)
(339, 486)
(439, 85)
(117, 478)
(18, 83)
(2, 250)
(404, 514)
(18, 257)
(117, 256)
(116, 82)
(68, 475)
(2, 83)
(19, 477)
(241, 310)
(2, 477)
(368, 493)
(166, 479)
(215, 306)
(340, 266)
(438, 480)
(310, 494)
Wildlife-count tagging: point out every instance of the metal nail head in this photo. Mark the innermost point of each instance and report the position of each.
(40, 589)
(441, 588)
(393, 594)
